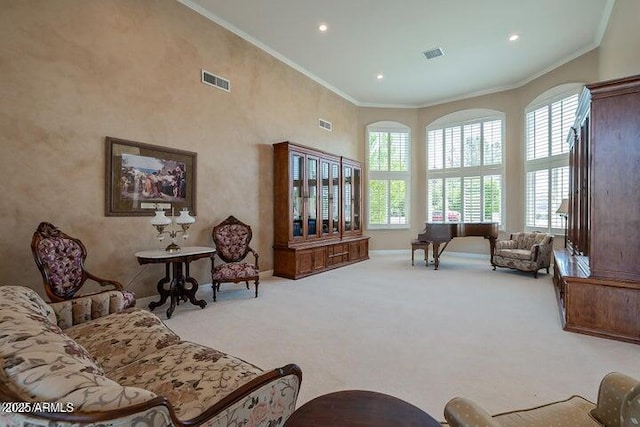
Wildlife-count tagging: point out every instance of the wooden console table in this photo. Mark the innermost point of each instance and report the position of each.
(174, 276)
(357, 408)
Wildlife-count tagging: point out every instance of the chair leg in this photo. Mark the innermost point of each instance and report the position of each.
(547, 270)
(535, 274)
(257, 282)
(213, 285)
(247, 282)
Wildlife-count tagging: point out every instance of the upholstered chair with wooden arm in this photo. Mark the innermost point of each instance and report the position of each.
(524, 251)
(231, 238)
(618, 406)
(60, 259)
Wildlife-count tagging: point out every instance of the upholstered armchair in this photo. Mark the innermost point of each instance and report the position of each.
(60, 259)
(524, 251)
(231, 238)
(618, 406)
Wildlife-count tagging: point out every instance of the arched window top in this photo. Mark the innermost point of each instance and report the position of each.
(554, 94)
(388, 125)
(467, 115)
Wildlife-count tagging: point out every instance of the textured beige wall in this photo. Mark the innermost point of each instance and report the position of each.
(512, 103)
(75, 71)
(620, 47)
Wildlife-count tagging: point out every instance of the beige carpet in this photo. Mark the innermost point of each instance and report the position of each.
(418, 334)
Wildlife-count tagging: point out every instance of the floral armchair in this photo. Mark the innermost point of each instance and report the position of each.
(60, 259)
(232, 238)
(524, 251)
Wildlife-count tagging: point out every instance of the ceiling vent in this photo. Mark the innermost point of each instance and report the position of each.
(433, 53)
(325, 125)
(216, 81)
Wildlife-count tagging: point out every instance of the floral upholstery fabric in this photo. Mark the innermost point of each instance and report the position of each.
(157, 416)
(84, 308)
(120, 338)
(269, 406)
(124, 359)
(524, 251)
(39, 362)
(232, 241)
(240, 271)
(62, 259)
(191, 376)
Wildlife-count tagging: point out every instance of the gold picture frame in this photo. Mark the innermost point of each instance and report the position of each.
(140, 176)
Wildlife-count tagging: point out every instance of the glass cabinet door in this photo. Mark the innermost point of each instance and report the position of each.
(324, 197)
(356, 199)
(312, 197)
(297, 193)
(347, 176)
(334, 198)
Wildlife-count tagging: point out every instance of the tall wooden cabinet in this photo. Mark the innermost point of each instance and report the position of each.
(317, 211)
(597, 276)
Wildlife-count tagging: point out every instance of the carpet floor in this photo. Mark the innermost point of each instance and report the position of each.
(421, 335)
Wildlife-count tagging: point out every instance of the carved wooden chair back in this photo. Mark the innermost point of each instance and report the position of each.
(60, 259)
(232, 238)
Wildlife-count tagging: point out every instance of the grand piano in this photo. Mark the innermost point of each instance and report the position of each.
(438, 233)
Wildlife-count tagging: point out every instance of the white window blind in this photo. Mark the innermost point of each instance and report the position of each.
(464, 181)
(546, 165)
(388, 177)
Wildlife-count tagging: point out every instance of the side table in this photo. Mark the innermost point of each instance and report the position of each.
(174, 275)
(357, 408)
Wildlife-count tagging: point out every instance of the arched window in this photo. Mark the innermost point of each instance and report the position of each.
(465, 167)
(389, 175)
(548, 119)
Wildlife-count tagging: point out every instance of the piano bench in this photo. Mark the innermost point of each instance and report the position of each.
(417, 244)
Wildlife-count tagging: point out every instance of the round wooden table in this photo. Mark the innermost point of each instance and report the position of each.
(359, 408)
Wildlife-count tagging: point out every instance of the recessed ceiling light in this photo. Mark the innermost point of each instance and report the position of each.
(380, 76)
(513, 37)
(323, 27)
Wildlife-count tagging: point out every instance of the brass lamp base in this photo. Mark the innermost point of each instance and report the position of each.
(172, 248)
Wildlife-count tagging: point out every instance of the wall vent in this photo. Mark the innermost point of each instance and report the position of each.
(325, 125)
(433, 53)
(216, 81)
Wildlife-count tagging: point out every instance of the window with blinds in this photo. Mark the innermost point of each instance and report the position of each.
(388, 157)
(465, 170)
(546, 161)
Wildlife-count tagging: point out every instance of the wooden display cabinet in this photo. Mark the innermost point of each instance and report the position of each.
(597, 277)
(317, 211)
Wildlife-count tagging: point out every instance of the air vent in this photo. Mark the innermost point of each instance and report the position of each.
(325, 124)
(433, 53)
(216, 81)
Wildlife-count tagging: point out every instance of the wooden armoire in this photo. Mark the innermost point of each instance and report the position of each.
(317, 211)
(597, 276)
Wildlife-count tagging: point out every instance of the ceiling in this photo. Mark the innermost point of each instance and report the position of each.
(368, 37)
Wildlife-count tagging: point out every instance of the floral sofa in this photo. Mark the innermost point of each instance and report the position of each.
(125, 368)
(524, 251)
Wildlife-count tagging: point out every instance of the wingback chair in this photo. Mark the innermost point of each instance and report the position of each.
(232, 238)
(60, 259)
(524, 251)
(618, 406)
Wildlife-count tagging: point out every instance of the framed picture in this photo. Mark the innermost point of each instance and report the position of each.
(140, 177)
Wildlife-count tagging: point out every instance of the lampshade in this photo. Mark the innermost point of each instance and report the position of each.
(564, 207)
(160, 218)
(185, 218)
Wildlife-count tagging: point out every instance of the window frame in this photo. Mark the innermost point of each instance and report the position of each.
(388, 176)
(550, 163)
(466, 172)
